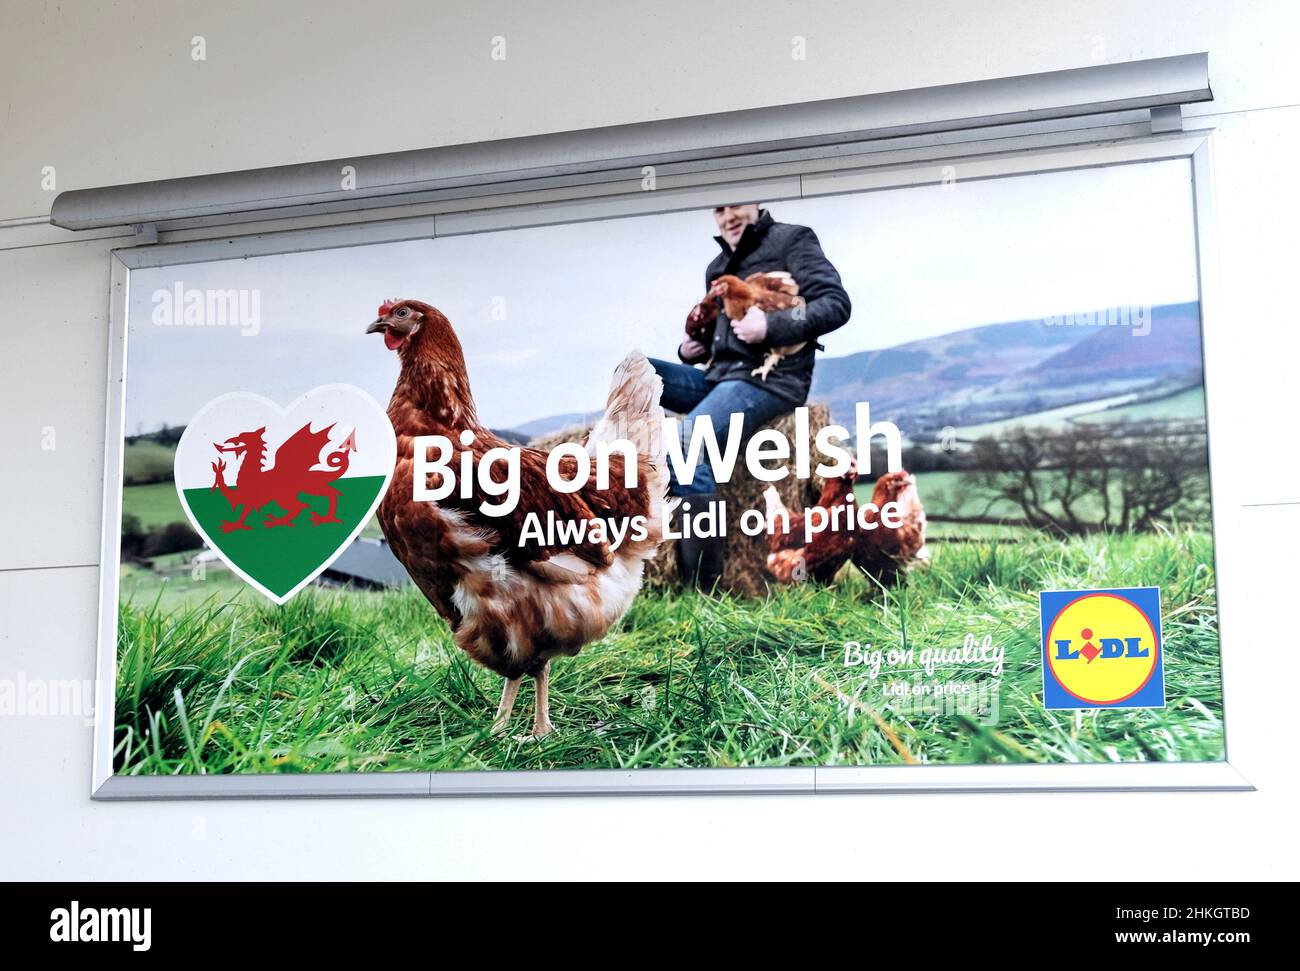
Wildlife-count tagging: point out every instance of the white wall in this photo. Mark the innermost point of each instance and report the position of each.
(108, 93)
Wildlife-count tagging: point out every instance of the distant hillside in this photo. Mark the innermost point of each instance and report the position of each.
(1173, 345)
(511, 436)
(552, 423)
(998, 371)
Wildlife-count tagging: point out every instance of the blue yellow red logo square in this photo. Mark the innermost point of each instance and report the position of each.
(1102, 648)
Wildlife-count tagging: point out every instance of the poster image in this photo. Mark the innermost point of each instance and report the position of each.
(907, 477)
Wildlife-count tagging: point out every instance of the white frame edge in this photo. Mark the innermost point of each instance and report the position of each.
(1025, 155)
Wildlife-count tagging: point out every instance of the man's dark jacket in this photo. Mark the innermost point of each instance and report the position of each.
(764, 246)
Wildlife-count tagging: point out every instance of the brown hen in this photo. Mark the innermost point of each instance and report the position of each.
(792, 558)
(884, 552)
(774, 290)
(512, 603)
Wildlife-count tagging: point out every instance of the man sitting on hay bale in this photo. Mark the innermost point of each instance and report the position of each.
(758, 363)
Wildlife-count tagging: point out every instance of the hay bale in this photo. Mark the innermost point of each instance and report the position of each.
(745, 571)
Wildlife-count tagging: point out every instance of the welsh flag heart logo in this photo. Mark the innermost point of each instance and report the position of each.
(280, 493)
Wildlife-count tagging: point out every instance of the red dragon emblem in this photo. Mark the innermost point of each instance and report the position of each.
(293, 473)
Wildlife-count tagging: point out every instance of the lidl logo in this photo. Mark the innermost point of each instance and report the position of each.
(1102, 648)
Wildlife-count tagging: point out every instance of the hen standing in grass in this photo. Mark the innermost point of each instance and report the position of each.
(514, 605)
(886, 550)
(793, 558)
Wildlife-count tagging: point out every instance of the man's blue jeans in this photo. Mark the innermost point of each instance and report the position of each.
(688, 393)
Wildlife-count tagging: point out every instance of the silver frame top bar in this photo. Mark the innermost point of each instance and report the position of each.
(722, 140)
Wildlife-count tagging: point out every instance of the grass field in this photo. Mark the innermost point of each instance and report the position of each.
(341, 681)
(1051, 418)
(147, 461)
(950, 494)
(177, 587)
(155, 504)
(1187, 404)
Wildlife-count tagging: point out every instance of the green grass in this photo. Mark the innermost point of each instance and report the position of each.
(346, 681)
(1059, 417)
(1187, 404)
(974, 532)
(146, 461)
(951, 494)
(155, 504)
(178, 588)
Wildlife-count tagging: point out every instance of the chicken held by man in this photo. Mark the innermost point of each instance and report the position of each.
(773, 290)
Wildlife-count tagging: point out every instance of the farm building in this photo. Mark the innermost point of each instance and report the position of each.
(366, 563)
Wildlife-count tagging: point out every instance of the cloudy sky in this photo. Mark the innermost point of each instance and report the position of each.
(545, 313)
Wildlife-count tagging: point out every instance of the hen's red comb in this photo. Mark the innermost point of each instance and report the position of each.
(387, 306)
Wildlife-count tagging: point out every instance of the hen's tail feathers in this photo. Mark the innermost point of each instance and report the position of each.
(633, 412)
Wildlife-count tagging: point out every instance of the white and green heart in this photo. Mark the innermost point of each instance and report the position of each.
(280, 493)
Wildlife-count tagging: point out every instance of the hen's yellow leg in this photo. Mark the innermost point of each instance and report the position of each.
(542, 713)
(508, 694)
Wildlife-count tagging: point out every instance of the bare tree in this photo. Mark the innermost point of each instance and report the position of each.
(1092, 477)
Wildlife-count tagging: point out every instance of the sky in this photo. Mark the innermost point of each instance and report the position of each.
(546, 313)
